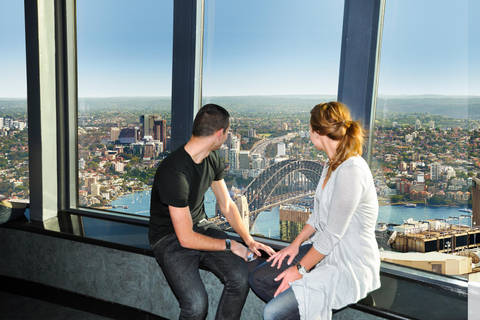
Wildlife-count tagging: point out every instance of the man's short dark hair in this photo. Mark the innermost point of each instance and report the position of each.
(209, 119)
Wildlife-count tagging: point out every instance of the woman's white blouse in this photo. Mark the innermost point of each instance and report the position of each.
(344, 217)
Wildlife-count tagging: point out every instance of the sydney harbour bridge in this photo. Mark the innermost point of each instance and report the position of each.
(280, 183)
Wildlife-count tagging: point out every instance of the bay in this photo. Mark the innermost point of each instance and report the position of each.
(268, 222)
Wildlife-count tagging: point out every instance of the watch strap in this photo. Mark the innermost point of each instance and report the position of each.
(228, 245)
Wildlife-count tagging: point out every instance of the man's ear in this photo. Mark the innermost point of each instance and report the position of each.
(219, 134)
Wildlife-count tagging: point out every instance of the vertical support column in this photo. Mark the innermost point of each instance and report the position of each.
(357, 88)
(66, 89)
(186, 65)
(476, 201)
(41, 93)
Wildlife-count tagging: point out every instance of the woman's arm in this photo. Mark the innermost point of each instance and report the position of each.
(346, 196)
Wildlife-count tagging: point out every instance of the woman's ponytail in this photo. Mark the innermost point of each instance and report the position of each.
(333, 120)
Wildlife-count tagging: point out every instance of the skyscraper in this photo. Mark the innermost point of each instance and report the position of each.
(160, 131)
(436, 171)
(114, 133)
(147, 121)
(244, 159)
(233, 159)
(280, 149)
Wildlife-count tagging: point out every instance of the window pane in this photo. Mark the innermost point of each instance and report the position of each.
(124, 89)
(426, 125)
(13, 103)
(269, 67)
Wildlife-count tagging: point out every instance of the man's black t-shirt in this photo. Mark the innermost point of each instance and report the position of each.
(180, 182)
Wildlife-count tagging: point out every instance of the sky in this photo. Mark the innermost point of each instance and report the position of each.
(256, 47)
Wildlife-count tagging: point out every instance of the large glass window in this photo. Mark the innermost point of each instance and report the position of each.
(124, 90)
(269, 63)
(426, 130)
(14, 182)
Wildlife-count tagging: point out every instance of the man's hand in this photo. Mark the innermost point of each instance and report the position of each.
(256, 246)
(287, 276)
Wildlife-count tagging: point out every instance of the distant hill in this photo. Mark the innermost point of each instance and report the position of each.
(459, 107)
(284, 103)
(454, 107)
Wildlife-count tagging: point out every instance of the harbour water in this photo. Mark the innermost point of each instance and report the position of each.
(267, 223)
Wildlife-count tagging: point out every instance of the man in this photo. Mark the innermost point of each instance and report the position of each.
(180, 235)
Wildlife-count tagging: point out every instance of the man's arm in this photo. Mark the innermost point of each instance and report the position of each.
(230, 211)
(183, 225)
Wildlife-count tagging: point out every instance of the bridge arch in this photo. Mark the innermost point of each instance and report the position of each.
(261, 188)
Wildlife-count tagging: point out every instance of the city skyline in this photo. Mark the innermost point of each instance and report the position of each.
(420, 53)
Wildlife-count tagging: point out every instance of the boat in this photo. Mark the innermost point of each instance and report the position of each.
(465, 210)
(410, 205)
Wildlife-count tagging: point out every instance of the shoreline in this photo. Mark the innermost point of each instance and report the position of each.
(422, 205)
(109, 205)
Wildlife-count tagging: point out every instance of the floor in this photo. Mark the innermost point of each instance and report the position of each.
(15, 307)
(25, 300)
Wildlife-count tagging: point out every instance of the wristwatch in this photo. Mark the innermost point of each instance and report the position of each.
(228, 245)
(301, 269)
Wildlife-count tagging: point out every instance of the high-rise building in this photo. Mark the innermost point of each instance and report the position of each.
(412, 166)
(147, 121)
(95, 189)
(89, 181)
(235, 142)
(128, 135)
(418, 124)
(233, 159)
(149, 150)
(114, 133)
(118, 166)
(436, 171)
(292, 221)
(280, 149)
(137, 148)
(158, 146)
(81, 164)
(223, 152)
(420, 177)
(244, 159)
(258, 163)
(160, 130)
(8, 123)
(228, 142)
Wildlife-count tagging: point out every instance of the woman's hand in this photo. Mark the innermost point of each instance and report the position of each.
(291, 250)
(287, 276)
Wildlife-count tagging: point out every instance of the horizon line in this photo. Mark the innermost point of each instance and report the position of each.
(266, 95)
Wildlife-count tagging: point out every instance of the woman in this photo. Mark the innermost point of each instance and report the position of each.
(334, 261)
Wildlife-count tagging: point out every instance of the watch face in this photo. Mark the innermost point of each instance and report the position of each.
(301, 269)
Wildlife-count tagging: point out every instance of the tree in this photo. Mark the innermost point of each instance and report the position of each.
(396, 199)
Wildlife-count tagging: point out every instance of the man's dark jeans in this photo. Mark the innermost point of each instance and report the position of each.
(181, 269)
